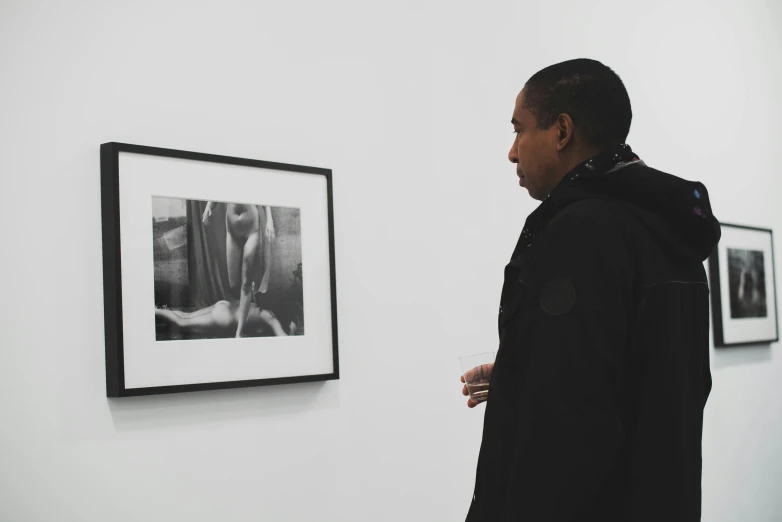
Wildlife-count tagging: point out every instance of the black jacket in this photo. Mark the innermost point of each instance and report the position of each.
(595, 409)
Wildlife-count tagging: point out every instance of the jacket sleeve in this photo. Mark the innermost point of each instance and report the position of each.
(573, 334)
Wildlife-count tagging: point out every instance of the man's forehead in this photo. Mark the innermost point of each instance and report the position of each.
(518, 108)
(519, 112)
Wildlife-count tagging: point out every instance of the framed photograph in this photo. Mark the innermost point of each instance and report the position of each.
(743, 288)
(218, 271)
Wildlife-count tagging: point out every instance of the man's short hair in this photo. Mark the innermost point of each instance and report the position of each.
(590, 92)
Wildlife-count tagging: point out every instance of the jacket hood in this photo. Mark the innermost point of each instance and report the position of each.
(676, 211)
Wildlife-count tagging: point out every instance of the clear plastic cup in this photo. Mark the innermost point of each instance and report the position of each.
(476, 370)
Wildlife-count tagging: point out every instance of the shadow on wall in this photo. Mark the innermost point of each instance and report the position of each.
(204, 407)
(726, 357)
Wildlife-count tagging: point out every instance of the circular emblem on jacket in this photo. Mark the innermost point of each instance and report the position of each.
(557, 296)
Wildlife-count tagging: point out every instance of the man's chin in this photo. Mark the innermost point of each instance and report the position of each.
(529, 191)
(523, 184)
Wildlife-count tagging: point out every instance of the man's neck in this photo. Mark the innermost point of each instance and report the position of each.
(577, 157)
(573, 159)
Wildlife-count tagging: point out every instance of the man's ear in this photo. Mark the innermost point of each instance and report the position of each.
(565, 130)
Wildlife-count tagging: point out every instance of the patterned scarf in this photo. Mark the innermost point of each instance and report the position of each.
(604, 162)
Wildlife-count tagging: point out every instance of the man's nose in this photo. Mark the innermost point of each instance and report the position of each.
(512, 155)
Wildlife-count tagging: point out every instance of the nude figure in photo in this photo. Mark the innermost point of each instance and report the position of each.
(242, 246)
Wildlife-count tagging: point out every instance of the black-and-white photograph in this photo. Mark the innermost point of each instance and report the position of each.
(747, 280)
(743, 287)
(203, 269)
(226, 269)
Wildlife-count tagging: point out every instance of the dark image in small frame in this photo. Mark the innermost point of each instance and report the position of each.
(747, 282)
(225, 269)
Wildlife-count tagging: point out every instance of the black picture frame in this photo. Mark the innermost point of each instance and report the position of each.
(719, 287)
(112, 268)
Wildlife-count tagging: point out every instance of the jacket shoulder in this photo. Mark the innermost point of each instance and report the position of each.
(589, 227)
(593, 215)
(659, 177)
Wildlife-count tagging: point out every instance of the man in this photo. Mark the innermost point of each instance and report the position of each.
(595, 408)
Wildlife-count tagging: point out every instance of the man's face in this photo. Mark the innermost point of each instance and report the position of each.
(534, 151)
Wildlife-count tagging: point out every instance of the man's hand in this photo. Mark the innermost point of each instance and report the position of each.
(207, 216)
(481, 371)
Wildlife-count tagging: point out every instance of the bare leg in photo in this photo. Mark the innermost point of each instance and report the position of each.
(233, 257)
(233, 253)
(242, 223)
(249, 256)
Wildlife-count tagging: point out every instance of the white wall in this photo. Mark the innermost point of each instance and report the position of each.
(409, 103)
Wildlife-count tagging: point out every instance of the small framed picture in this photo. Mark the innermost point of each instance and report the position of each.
(218, 271)
(743, 288)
